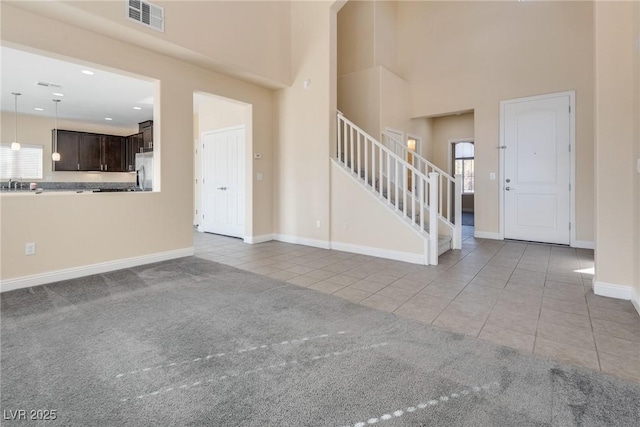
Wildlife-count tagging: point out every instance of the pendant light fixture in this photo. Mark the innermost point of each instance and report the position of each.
(15, 145)
(55, 156)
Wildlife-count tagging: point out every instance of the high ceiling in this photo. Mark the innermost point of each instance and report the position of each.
(88, 98)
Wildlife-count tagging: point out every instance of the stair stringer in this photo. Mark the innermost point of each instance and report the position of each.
(363, 222)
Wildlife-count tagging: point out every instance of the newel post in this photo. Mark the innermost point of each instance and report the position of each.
(457, 212)
(433, 218)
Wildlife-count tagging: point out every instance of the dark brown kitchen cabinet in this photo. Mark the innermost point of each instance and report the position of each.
(134, 144)
(84, 151)
(146, 128)
(89, 153)
(113, 153)
(68, 144)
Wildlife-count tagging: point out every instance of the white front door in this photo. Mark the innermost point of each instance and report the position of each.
(537, 169)
(223, 182)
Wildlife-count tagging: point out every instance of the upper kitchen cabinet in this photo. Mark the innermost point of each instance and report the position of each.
(146, 128)
(138, 143)
(68, 145)
(89, 152)
(84, 151)
(134, 144)
(113, 153)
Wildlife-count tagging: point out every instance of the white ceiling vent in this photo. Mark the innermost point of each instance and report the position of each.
(147, 14)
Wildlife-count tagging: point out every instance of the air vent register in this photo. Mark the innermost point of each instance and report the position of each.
(147, 14)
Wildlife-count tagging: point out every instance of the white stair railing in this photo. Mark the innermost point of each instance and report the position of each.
(387, 175)
(447, 186)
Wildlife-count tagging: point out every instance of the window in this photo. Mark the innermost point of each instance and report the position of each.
(25, 163)
(464, 164)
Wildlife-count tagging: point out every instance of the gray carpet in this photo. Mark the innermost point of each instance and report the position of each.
(192, 342)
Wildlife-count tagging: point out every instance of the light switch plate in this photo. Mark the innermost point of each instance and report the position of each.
(492, 176)
(259, 176)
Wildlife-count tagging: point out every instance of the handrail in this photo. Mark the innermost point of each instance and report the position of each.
(417, 156)
(381, 146)
(375, 163)
(444, 207)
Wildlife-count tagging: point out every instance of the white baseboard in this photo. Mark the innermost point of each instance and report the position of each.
(584, 244)
(87, 270)
(323, 244)
(258, 239)
(636, 302)
(487, 235)
(380, 253)
(613, 290)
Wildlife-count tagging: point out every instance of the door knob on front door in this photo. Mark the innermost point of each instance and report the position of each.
(222, 188)
(509, 188)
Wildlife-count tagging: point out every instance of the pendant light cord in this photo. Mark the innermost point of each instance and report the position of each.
(56, 127)
(16, 104)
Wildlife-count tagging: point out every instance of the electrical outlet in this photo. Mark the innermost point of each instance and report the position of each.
(259, 176)
(30, 249)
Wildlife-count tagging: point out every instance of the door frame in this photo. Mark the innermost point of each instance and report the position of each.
(450, 169)
(453, 142)
(572, 155)
(202, 171)
(418, 140)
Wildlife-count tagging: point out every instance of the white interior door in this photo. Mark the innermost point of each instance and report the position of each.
(223, 182)
(537, 169)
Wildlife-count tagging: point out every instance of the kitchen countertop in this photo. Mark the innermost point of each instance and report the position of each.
(46, 187)
(23, 192)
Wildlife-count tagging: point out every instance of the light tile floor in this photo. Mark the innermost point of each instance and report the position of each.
(535, 298)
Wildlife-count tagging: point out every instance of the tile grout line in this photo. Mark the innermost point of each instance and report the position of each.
(535, 335)
(505, 285)
(470, 280)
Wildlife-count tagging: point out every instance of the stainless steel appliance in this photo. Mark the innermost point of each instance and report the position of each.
(144, 171)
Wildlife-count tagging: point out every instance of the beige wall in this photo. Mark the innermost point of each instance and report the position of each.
(37, 130)
(79, 230)
(359, 99)
(460, 56)
(394, 105)
(349, 225)
(385, 35)
(636, 217)
(423, 127)
(212, 34)
(617, 138)
(303, 132)
(449, 128)
(370, 92)
(356, 28)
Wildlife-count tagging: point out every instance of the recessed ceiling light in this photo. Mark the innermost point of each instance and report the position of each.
(58, 94)
(39, 109)
(108, 118)
(137, 108)
(87, 72)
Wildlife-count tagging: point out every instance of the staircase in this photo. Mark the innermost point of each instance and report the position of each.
(418, 192)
